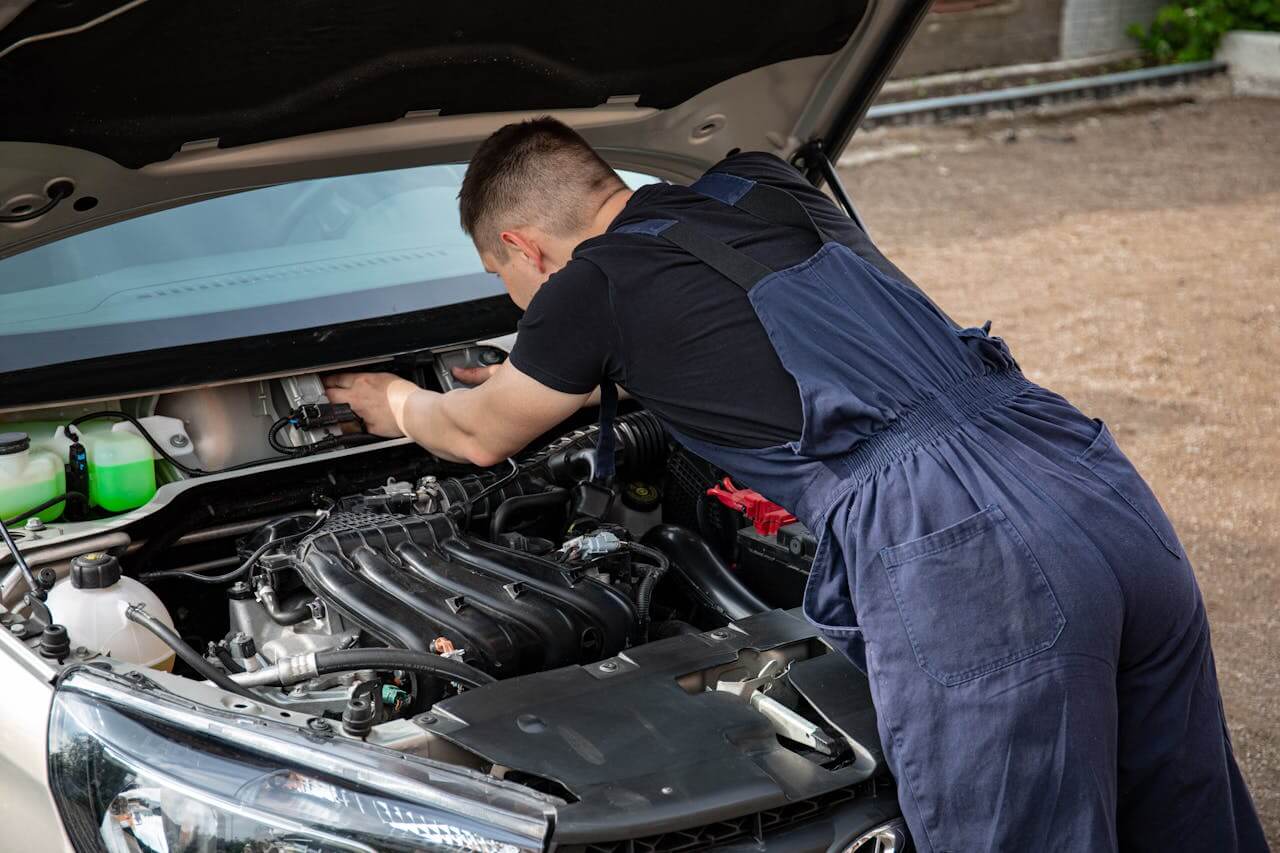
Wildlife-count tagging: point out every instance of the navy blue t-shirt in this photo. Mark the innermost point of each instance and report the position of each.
(682, 339)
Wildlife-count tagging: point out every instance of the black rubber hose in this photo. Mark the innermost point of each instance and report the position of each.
(496, 485)
(227, 661)
(653, 572)
(209, 579)
(325, 444)
(252, 559)
(515, 506)
(273, 438)
(190, 656)
(675, 628)
(424, 663)
(700, 567)
(39, 508)
(281, 616)
(155, 445)
(644, 598)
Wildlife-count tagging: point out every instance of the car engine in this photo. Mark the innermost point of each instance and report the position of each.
(601, 642)
(521, 570)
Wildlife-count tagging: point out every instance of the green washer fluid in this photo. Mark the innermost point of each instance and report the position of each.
(28, 478)
(122, 474)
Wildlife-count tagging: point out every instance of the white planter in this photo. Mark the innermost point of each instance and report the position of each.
(1254, 62)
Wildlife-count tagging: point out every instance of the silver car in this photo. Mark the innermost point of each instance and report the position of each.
(232, 621)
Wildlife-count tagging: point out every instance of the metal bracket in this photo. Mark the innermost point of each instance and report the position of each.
(812, 157)
(785, 721)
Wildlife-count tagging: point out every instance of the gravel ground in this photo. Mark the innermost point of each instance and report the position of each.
(1132, 261)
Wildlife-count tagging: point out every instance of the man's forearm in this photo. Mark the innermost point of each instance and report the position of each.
(483, 426)
(442, 424)
(421, 416)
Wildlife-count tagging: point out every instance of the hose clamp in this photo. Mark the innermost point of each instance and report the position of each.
(298, 668)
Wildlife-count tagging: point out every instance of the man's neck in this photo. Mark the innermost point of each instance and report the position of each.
(608, 212)
(600, 222)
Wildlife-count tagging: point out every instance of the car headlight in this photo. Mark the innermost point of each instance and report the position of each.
(890, 837)
(136, 772)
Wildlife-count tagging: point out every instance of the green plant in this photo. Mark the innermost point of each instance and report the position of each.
(1190, 30)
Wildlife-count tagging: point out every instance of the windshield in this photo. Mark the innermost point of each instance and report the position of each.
(276, 259)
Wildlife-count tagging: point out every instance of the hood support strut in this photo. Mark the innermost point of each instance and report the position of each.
(812, 158)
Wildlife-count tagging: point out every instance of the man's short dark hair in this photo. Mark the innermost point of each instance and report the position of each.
(538, 172)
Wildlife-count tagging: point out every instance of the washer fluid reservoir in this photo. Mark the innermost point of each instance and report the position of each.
(28, 477)
(122, 472)
(91, 604)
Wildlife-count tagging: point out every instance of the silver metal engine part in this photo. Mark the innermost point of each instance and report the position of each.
(228, 424)
(274, 643)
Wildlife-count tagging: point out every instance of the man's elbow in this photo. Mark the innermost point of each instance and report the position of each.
(485, 459)
(484, 455)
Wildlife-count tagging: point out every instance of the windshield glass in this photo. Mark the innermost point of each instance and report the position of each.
(276, 259)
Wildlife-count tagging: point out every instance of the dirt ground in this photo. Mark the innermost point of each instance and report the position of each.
(1132, 261)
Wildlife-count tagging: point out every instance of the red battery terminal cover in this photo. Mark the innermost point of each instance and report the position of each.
(766, 515)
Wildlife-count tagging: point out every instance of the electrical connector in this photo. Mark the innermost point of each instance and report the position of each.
(315, 415)
(592, 544)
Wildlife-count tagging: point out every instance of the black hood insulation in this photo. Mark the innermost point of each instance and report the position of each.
(138, 86)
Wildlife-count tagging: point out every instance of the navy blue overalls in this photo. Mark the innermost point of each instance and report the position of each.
(1036, 642)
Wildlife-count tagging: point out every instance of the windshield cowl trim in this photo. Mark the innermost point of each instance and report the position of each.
(242, 359)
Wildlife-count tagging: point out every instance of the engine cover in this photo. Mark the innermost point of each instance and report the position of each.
(645, 749)
(410, 579)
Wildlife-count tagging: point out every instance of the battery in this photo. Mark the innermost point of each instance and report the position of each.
(776, 567)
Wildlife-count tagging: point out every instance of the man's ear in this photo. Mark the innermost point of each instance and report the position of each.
(527, 248)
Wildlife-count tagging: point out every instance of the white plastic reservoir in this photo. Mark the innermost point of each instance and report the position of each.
(91, 604)
(28, 477)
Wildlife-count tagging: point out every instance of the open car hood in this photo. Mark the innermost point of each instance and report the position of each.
(146, 104)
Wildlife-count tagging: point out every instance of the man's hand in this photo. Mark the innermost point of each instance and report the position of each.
(366, 394)
(483, 425)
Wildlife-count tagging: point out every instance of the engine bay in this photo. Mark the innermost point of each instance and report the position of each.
(606, 643)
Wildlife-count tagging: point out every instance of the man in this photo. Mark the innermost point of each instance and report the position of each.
(1036, 643)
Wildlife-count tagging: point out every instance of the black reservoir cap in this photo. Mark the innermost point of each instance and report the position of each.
(96, 570)
(13, 442)
(642, 497)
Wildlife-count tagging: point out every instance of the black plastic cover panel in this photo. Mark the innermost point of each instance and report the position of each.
(642, 755)
(138, 86)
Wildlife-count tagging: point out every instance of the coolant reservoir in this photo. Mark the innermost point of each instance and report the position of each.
(43, 434)
(122, 474)
(91, 604)
(28, 477)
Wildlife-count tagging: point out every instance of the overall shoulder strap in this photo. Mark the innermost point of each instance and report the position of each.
(606, 442)
(777, 206)
(741, 269)
(772, 204)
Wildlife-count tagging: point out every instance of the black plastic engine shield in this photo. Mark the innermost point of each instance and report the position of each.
(643, 755)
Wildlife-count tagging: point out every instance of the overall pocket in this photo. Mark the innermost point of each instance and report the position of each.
(972, 597)
(1109, 464)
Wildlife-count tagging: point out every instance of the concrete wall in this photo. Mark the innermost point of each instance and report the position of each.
(959, 35)
(1091, 27)
(1254, 58)
(1007, 32)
